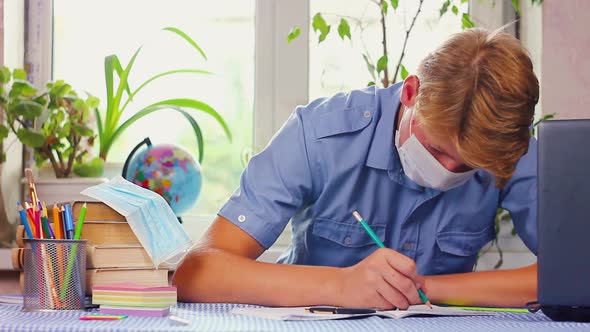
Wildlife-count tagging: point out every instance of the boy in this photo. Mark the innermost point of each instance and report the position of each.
(426, 163)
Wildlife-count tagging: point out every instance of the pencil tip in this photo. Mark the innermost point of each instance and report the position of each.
(357, 216)
(429, 304)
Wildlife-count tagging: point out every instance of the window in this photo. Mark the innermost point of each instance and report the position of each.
(337, 65)
(87, 31)
(245, 42)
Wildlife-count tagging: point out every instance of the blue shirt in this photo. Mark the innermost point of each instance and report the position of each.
(336, 155)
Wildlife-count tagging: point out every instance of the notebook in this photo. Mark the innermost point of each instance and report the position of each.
(299, 313)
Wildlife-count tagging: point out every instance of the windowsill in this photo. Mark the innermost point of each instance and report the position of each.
(111, 169)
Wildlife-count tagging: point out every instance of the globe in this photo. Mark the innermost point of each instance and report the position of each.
(170, 171)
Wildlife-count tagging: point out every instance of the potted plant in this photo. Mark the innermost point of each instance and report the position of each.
(55, 125)
(119, 97)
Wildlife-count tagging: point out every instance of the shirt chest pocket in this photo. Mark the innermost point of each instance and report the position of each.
(337, 243)
(457, 251)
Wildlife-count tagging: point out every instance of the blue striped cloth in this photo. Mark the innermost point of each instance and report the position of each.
(217, 317)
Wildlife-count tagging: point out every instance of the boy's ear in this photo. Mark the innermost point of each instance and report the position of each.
(410, 91)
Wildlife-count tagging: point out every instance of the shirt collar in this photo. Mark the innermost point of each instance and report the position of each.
(382, 154)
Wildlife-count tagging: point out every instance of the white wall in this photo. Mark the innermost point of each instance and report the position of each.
(566, 69)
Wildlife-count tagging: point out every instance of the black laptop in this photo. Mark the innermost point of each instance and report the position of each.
(564, 219)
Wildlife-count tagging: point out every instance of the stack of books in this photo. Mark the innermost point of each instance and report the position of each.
(114, 254)
(134, 300)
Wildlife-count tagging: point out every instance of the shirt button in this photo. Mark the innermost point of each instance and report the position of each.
(242, 218)
(367, 114)
(348, 240)
(407, 246)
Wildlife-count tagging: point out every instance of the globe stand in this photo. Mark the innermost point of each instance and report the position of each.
(148, 143)
(145, 141)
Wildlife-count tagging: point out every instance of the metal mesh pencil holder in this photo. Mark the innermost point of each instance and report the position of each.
(54, 275)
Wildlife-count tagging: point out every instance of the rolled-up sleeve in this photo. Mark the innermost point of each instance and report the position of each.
(519, 197)
(274, 185)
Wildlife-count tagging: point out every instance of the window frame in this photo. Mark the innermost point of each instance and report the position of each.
(276, 61)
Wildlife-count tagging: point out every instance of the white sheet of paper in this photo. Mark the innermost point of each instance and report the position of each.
(299, 313)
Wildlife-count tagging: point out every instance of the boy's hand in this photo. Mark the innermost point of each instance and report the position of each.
(384, 280)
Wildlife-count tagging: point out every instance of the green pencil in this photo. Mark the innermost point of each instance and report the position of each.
(513, 310)
(72, 259)
(375, 238)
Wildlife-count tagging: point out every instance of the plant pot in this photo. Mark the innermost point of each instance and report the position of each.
(53, 191)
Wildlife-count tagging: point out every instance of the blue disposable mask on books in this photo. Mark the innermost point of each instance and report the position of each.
(149, 216)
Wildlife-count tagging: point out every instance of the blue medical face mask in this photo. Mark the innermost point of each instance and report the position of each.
(149, 216)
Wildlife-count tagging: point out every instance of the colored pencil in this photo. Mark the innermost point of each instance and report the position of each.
(25, 221)
(381, 245)
(57, 223)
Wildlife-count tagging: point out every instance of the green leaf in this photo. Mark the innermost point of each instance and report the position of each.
(22, 88)
(19, 74)
(371, 83)
(119, 69)
(445, 7)
(344, 29)
(455, 10)
(324, 35)
(384, 6)
(116, 111)
(466, 22)
(30, 138)
(93, 168)
(174, 104)
(370, 66)
(112, 65)
(464, 1)
(59, 116)
(515, 5)
(187, 38)
(544, 118)
(78, 104)
(394, 3)
(171, 72)
(3, 132)
(27, 109)
(109, 68)
(382, 64)
(82, 130)
(198, 133)
(65, 131)
(152, 108)
(4, 75)
(98, 124)
(403, 73)
(319, 24)
(294, 33)
(92, 102)
(59, 89)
